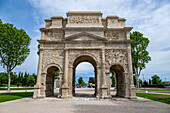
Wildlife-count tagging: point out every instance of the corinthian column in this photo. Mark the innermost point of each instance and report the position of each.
(103, 69)
(66, 69)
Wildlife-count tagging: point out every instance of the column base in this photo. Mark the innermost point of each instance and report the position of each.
(132, 94)
(37, 91)
(65, 93)
(104, 92)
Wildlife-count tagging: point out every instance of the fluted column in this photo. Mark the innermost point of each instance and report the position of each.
(98, 81)
(103, 69)
(66, 69)
(104, 87)
(65, 88)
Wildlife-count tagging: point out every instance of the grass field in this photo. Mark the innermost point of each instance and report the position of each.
(155, 90)
(13, 96)
(17, 88)
(156, 97)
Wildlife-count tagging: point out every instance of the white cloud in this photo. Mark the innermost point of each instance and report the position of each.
(84, 67)
(150, 17)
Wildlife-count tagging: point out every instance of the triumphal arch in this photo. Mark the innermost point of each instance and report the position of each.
(85, 37)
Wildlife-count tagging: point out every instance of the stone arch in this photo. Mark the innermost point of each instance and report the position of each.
(84, 58)
(120, 79)
(52, 65)
(72, 60)
(49, 71)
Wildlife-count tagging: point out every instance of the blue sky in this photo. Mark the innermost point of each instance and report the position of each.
(151, 17)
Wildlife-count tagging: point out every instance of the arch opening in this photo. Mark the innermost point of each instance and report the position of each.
(51, 77)
(89, 89)
(118, 88)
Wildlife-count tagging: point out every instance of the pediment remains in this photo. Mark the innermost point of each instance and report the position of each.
(84, 36)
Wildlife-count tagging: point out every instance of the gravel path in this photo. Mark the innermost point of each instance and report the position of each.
(83, 105)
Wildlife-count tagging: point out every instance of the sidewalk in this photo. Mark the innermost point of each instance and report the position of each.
(15, 91)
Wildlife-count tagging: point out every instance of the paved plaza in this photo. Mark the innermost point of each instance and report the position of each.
(83, 105)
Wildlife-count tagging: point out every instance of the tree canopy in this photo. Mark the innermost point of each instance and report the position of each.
(140, 55)
(80, 80)
(13, 47)
(156, 80)
(91, 80)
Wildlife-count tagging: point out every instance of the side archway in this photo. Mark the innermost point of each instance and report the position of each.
(119, 78)
(51, 71)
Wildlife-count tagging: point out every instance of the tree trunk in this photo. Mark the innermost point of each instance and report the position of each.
(137, 81)
(9, 81)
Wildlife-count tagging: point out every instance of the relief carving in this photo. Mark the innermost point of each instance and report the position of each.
(83, 20)
(116, 56)
(110, 35)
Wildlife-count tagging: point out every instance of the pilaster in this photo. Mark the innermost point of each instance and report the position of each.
(131, 84)
(104, 84)
(65, 88)
(37, 87)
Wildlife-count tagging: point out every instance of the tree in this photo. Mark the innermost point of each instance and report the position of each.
(57, 73)
(3, 78)
(25, 79)
(38, 52)
(91, 80)
(113, 77)
(13, 47)
(80, 80)
(140, 82)
(134, 80)
(14, 78)
(150, 82)
(30, 81)
(140, 56)
(156, 80)
(35, 76)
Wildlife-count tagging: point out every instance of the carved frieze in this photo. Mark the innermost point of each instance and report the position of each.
(83, 20)
(116, 56)
(110, 35)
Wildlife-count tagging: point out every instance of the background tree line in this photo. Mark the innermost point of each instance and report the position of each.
(155, 81)
(20, 79)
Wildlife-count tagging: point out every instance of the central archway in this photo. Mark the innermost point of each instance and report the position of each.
(80, 59)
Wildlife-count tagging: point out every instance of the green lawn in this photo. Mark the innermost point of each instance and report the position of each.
(13, 96)
(156, 97)
(155, 90)
(17, 88)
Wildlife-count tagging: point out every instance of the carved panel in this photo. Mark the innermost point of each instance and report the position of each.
(116, 56)
(52, 56)
(110, 35)
(54, 35)
(83, 20)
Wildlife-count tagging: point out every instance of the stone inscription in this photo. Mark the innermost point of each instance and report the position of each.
(83, 20)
